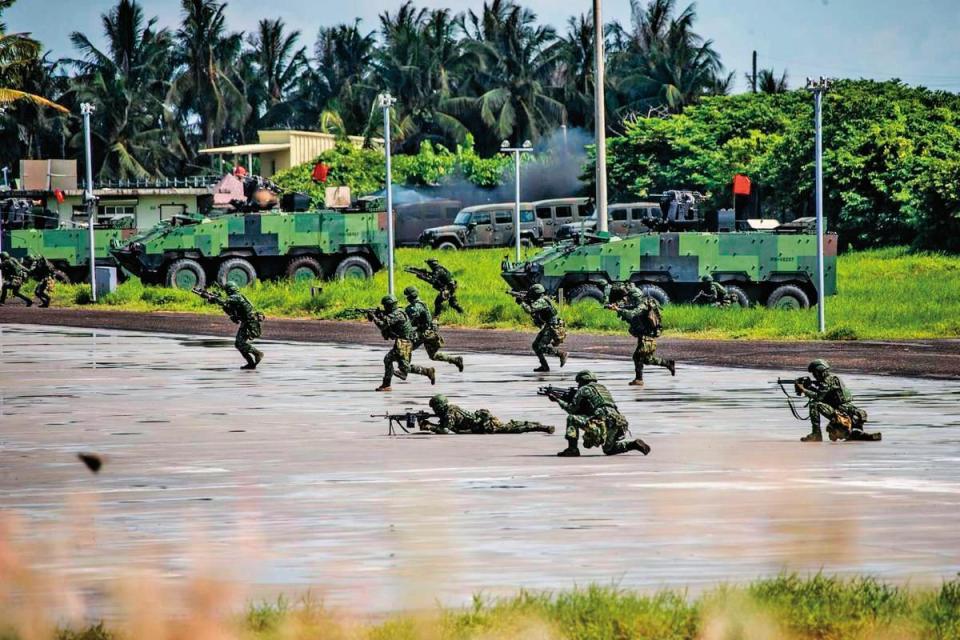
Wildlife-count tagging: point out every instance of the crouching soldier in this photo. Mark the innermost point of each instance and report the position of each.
(453, 419)
(593, 411)
(828, 397)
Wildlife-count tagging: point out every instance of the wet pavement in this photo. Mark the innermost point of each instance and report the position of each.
(280, 480)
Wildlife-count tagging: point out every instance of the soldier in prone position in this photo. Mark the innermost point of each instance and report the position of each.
(428, 333)
(14, 274)
(241, 311)
(453, 419)
(829, 398)
(593, 411)
(395, 325)
(642, 316)
(552, 330)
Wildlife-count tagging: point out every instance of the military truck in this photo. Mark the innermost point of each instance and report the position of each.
(190, 251)
(769, 263)
(485, 225)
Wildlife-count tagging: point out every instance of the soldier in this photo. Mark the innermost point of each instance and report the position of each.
(829, 398)
(643, 320)
(552, 330)
(621, 293)
(44, 273)
(427, 331)
(442, 280)
(395, 325)
(453, 419)
(714, 293)
(13, 276)
(593, 411)
(241, 312)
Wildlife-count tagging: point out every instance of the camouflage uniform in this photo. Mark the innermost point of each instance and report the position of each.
(395, 325)
(831, 399)
(593, 411)
(241, 312)
(44, 273)
(552, 330)
(714, 293)
(446, 287)
(453, 419)
(13, 277)
(622, 293)
(427, 331)
(638, 318)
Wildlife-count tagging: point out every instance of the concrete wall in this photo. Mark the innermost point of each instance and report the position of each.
(147, 207)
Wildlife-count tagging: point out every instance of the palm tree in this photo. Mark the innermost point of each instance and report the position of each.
(767, 82)
(207, 85)
(126, 82)
(338, 89)
(18, 53)
(272, 69)
(512, 63)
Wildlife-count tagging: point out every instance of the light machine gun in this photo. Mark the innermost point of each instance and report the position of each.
(557, 393)
(407, 422)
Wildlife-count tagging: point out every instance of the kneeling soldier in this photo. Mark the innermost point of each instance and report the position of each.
(593, 411)
(829, 398)
(428, 333)
(453, 419)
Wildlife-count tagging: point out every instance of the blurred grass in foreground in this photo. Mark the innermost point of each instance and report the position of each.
(883, 294)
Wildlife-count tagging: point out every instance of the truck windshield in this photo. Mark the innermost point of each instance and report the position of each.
(462, 218)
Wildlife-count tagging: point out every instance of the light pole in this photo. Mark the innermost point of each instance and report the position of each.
(599, 116)
(818, 87)
(89, 200)
(516, 151)
(385, 101)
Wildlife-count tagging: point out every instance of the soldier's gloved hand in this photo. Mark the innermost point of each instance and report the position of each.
(798, 388)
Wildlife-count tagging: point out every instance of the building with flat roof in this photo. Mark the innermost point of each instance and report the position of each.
(279, 150)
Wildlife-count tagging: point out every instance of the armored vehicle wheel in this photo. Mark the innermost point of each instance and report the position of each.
(585, 292)
(447, 245)
(304, 269)
(353, 267)
(185, 274)
(656, 293)
(788, 297)
(238, 271)
(742, 298)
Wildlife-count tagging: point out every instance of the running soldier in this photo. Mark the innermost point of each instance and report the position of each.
(715, 294)
(592, 411)
(552, 329)
(829, 398)
(240, 310)
(14, 275)
(622, 294)
(43, 271)
(395, 325)
(427, 331)
(440, 278)
(453, 419)
(643, 319)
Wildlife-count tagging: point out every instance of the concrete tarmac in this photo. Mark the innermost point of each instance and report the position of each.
(280, 480)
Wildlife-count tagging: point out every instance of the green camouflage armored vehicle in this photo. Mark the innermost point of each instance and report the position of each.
(67, 249)
(769, 263)
(190, 251)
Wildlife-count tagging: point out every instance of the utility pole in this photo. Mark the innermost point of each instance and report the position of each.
(753, 78)
(600, 116)
(819, 87)
(516, 151)
(386, 102)
(89, 199)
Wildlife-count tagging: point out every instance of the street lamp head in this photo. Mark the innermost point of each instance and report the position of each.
(385, 100)
(505, 144)
(86, 108)
(527, 144)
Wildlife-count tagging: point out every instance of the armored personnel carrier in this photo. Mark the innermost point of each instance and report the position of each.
(759, 261)
(190, 251)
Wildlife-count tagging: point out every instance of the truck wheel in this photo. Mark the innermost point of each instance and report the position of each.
(238, 271)
(788, 297)
(446, 245)
(353, 267)
(585, 292)
(304, 269)
(742, 298)
(526, 242)
(656, 293)
(185, 274)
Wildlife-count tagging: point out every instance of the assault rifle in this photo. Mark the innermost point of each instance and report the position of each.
(357, 312)
(209, 296)
(519, 296)
(408, 422)
(557, 393)
(804, 381)
(424, 274)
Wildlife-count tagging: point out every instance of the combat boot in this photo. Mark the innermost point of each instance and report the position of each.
(572, 451)
(544, 428)
(813, 436)
(431, 373)
(672, 367)
(251, 364)
(257, 357)
(637, 382)
(638, 445)
(458, 362)
(384, 386)
(563, 358)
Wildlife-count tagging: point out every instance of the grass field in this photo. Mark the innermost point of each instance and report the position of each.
(883, 294)
(782, 608)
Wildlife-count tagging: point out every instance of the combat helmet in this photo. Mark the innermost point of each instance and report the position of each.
(585, 377)
(818, 365)
(4, 255)
(537, 290)
(389, 302)
(411, 292)
(432, 261)
(438, 402)
(231, 288)
(707, 278)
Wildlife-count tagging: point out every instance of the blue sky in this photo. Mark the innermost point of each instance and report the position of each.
(916, 41)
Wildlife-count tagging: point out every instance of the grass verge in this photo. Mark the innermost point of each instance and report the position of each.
(883, 294)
